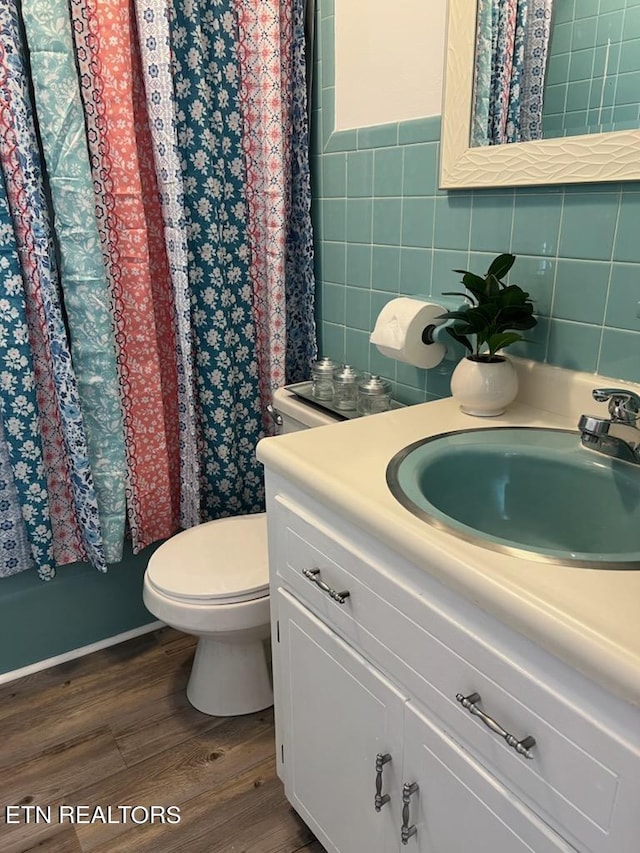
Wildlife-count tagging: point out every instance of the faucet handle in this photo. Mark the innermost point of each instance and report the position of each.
(624, 406)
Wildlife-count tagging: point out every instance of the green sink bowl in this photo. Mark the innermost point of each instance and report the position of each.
(536, 493)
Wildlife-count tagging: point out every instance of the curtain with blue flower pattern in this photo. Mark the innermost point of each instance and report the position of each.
(87, 218)
(512, 43)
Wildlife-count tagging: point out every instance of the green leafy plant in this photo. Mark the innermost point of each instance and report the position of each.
(497, 314)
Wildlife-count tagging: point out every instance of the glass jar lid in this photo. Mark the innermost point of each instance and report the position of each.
(324, 366)
(375, 386)
(347, 375)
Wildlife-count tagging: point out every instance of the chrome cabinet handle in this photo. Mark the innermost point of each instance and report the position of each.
(407, 831)
(314, 576)
(380, 798)
(470, 702)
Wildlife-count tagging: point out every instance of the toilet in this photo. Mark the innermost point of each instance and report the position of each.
(212, 581)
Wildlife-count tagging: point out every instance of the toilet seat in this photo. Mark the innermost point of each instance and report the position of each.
(216, 563)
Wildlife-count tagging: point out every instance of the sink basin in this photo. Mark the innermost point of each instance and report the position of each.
(535, 493)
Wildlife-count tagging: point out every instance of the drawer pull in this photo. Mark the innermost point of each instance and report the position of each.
(314, 575)
(380, 798)
(407, 831)
(523, 747)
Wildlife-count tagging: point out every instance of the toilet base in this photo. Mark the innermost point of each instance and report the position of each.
(229, 679)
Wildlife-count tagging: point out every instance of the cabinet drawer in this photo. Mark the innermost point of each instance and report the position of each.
(579, 777)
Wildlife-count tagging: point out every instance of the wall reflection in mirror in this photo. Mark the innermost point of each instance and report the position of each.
(553, 68)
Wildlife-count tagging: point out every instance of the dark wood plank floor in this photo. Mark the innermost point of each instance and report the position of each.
(115, 729)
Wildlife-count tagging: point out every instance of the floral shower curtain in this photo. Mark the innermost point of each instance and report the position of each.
(156, 278)
(512, 43)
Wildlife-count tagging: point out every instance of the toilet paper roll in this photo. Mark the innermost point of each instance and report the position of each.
(399, 327)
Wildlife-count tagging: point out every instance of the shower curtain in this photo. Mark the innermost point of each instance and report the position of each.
(512, 43)
(156, 265)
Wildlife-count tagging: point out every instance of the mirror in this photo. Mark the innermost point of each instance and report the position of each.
(559, 157)
(551, 68)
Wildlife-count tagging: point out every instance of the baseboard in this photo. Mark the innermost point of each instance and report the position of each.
(5, 677)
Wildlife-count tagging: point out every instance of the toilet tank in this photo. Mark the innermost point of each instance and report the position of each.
(298, 414)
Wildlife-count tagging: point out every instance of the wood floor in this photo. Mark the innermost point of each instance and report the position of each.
(115, 729)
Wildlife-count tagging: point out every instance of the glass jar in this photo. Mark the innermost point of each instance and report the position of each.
(345, 387)
(322, 378)
(374, 395)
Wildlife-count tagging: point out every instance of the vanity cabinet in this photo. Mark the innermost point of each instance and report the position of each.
(372, 657)
(342, 716)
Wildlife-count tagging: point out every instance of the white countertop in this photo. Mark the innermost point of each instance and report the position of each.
(590, 618)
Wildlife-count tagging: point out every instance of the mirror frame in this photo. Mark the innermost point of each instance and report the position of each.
(568, 160)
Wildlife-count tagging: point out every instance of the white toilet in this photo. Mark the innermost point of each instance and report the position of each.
(212, 581)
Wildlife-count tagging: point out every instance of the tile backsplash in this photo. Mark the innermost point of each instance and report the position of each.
(383, 229)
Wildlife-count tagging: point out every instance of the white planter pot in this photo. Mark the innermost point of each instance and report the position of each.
(484, 388)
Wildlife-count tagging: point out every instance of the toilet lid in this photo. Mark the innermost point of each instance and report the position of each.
(225, 560)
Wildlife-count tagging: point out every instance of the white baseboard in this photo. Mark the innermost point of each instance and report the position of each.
(5, 677)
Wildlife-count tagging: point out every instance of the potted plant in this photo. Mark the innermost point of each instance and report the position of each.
(485, 382)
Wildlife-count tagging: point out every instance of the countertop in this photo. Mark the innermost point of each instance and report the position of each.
(587, 617)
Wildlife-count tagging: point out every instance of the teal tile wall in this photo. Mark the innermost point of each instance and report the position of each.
(593, 72)
(384, 229)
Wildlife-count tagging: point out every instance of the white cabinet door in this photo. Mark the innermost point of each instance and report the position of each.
(336, 713)
(459, 806)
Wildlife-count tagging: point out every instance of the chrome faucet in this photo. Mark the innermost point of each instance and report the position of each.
(619, 434)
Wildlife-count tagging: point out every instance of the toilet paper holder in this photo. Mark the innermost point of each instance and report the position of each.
(408, 329)
(433, 334)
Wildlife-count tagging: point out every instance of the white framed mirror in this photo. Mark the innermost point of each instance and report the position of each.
(597, 157)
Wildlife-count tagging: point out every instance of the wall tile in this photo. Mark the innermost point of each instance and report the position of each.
(334, 176)
(327, 106)
(415, 271)
(417, 222)
(632, 23)
(327, 10)
(331, 341)
(627, 244)
(581, 291)
(444, 278)
(385, 271)
(573, 345)
(359, 220)
(535, 275)
(360, 174)
(620, 357)
(387, 172)
(333, 303)
(387, 221)
(420, 169)
(536, 341)
(491, 222)
(334, 262)
(439, 379)
(379, 136)
(342, 140)
(334, 220)
(409, 395)
(453, 221)
(359, 265)
(420, 130)
(379, 364)
(327, 52)
(536, 221)
(588, 225)
(408, 374)
(358, 308)
(623, 304)
(356, 347)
